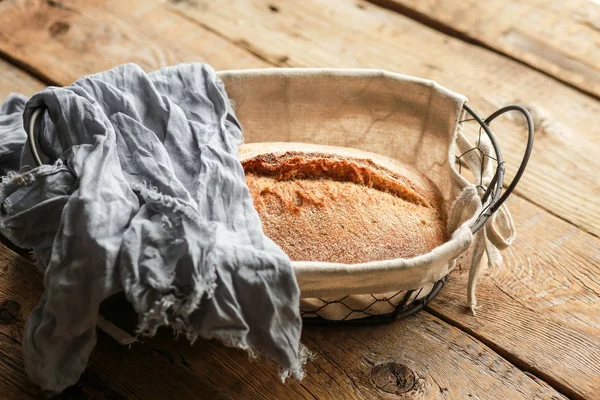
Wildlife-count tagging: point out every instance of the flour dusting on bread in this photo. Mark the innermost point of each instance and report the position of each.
(321, 203)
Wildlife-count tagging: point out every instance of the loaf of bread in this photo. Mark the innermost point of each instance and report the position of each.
(335, 204)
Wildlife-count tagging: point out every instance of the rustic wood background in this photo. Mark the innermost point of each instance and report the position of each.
(537, 334)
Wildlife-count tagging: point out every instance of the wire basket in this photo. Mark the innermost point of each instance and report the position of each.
(299, 102)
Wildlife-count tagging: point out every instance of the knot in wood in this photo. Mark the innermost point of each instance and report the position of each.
(393, 378)
(59, 28)
(10, 311)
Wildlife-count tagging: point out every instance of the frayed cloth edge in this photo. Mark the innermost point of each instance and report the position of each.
(165, 313)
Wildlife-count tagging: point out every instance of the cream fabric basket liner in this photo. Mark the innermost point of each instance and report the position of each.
(409, 119)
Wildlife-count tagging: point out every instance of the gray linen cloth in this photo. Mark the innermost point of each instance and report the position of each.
(142, 192)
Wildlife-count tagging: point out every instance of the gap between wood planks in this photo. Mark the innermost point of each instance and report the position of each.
(446, 29)
(31, 70)
(554, 214)
(511, 358)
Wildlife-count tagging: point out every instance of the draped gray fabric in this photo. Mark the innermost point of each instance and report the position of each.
(142, 192)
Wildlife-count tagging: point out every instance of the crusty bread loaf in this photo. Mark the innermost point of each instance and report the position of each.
(322, 203)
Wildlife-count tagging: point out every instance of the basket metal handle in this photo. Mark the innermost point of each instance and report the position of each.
(32, 137)
(497, 181)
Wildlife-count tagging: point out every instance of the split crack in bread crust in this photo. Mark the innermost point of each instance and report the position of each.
(336, 204)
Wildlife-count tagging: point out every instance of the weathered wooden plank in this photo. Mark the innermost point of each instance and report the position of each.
(540, 310)
(14, 80)
(13, 382)
(350, 34)
(430, 360)
(114, 371)
(63, 40)
(558, 37)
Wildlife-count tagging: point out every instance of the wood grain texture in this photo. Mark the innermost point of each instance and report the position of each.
(14, 383)
(114, 371)
(63, 40)
(558, 37)
(350, 34)
(14, 80)
(433, 360)
(540, 309)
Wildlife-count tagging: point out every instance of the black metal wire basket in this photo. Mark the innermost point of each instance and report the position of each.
(401, 303)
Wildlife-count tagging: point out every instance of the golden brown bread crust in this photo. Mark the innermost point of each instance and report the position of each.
(321, 203)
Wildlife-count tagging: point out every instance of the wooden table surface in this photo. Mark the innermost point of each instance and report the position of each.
(537, 334)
